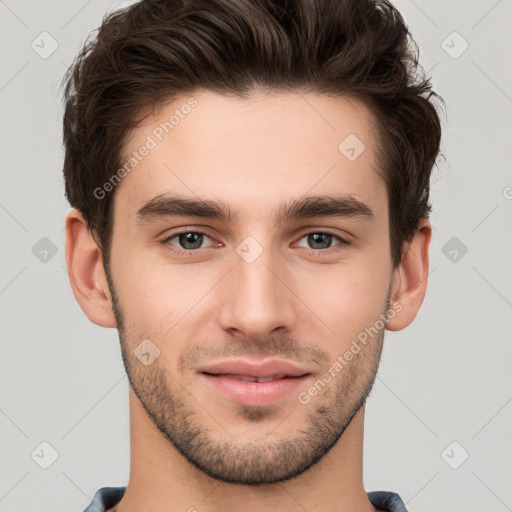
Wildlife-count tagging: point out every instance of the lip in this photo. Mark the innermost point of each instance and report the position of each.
(225, 377)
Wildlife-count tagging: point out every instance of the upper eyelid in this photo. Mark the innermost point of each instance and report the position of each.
(335, 235)
(172, 235)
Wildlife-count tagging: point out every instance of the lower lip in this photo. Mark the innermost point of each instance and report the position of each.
(255, 393)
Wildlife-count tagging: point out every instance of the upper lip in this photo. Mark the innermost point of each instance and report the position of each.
(265, 369)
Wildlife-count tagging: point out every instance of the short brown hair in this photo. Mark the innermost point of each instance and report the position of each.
(149, 53)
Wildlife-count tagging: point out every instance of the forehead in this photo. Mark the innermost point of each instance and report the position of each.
(252, 153)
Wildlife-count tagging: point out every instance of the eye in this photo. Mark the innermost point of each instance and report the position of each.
(321, 240)
(187, 240)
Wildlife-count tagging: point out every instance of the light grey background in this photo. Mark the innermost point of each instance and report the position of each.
(445, 378)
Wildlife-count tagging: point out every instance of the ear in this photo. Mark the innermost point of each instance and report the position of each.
(409, 281)
(86, 272)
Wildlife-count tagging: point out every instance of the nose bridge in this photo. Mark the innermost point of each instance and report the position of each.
(257, 302)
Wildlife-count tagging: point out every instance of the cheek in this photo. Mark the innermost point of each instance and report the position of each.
(145, 291)
(160, 298)
(347, 298)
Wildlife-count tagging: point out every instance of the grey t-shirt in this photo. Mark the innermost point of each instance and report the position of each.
(107, 497)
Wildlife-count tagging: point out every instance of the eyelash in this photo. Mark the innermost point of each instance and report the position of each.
(193, 252)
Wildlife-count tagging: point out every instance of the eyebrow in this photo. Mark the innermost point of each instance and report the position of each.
(165, 206)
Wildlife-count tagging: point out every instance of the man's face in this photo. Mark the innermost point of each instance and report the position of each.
(254, 295)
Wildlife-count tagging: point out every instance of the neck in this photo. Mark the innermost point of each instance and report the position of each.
(162, 479)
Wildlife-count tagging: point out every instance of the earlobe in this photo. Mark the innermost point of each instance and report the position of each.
(409, 282)
(86, 272)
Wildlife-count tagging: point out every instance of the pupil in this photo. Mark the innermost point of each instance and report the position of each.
(191, 240)
(319, 240)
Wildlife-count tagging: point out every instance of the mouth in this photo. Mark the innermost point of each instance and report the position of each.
(248, 383)
(250, 378)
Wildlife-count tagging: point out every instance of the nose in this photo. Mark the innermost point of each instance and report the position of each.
(258, 298)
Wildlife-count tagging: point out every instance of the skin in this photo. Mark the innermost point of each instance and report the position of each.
(294, 302)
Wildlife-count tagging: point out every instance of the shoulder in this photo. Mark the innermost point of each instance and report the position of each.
(106, 499)
(388, 501)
